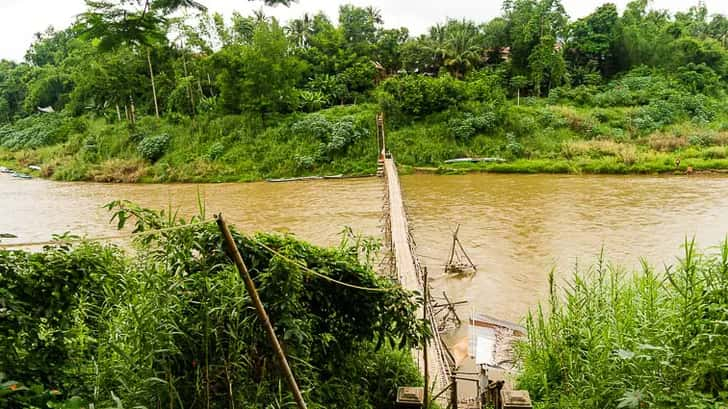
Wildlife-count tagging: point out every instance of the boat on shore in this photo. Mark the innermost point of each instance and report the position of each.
(475, 160)
(296, 179)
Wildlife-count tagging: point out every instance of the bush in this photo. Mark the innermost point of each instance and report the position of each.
(215, 151)
(35, 131)
(464, 128)
(152, 148)
(418, 95)
(513, 147)
(173, 324)
(333, 137)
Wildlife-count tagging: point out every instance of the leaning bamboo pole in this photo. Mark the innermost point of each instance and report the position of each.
(234, 253)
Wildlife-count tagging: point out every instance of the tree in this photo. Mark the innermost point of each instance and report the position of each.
(495, 39)
(518, 82)
(260, 77)
(114, 25)
(388, 51)
(593, 41)
(462, 48)
(718, 29)
(359, 26)
(644, 36)
(299, 30)
(547, 65)
(530, 21)
(419, 56)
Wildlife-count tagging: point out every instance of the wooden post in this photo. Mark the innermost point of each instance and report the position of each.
(454, 393)
(426, 395)
(154, 87)
(262, 315)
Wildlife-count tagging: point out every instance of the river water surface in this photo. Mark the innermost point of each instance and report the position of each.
(515, 227)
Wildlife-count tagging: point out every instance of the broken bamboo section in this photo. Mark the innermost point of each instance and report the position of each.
(234, 253)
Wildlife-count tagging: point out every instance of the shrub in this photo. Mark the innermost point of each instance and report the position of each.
(715, 152)
(147, 330)
(418, 95)
(699, 140)
(465, 127)
(152, 148)
(35, 131)
(334, 137)
(215, 151)
(513, 147)
(626, 153)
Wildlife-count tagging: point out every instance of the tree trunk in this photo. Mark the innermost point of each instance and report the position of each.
(118, 113)
(154, 87)
(133, 110)
(518, 96)
(189, 87)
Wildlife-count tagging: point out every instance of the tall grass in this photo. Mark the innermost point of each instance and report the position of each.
(610, 339)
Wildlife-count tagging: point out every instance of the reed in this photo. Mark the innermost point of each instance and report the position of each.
(647, 339)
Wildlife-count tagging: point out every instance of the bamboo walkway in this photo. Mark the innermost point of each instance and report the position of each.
(410, 274)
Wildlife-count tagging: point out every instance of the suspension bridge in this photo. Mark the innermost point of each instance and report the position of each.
(406, 268)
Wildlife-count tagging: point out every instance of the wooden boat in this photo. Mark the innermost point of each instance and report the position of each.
(474, 160)
(492, 341)
(294, 179)
(305, 178)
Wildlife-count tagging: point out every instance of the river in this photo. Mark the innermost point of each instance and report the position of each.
(515, 227)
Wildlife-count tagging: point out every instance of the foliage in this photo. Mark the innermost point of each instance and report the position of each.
(466, 127)
(173, 325)
(230, 92)
(645, 340)
(34, 131)
(153, 147)
(418, 95)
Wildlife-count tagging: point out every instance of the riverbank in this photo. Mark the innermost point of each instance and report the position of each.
(536, 137)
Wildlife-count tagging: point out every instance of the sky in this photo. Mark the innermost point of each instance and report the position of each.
(20, 19)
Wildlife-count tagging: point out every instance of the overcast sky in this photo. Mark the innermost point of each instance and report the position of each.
(20, 19)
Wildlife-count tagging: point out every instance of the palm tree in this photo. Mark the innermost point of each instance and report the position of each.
(300, 30)
(375, 15)
(461, 49)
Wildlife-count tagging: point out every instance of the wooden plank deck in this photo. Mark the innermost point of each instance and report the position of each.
(407, 270)
(404, 260)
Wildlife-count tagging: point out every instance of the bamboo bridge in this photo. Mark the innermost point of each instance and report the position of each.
(407, 270)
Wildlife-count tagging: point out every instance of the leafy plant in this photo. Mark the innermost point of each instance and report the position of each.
(152, 148)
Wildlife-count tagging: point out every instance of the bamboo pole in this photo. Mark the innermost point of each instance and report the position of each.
(154, 87)
(425, 293)
(262, 315)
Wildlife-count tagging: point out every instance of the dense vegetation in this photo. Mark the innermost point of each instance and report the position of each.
(653, 339)
(172, 325)
(164, 91)
(155, 93)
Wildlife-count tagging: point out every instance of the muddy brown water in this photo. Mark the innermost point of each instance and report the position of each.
(515, 227)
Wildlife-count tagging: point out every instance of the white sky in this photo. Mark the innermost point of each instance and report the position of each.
(20, 19)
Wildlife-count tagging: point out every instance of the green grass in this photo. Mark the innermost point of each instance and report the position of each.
(643, 340)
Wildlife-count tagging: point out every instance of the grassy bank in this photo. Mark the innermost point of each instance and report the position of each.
(651, 339)
(539, 136)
